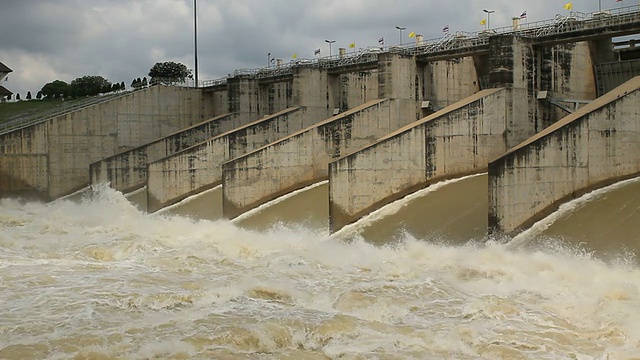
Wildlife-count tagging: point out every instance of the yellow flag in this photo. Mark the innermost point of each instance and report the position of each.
(412, 34)
(568, 6)
(295, 56)
(483, 22)
(352, 45)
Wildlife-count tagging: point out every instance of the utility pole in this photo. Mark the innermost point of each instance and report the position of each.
(195, 39)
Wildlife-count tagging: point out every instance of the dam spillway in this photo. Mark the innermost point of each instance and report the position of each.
(564, 58)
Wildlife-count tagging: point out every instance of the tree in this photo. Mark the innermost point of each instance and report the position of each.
(168, 72)
(39, 95)
(17, 96)
(122, 87)
(90, 85)
(28, 95)
(55, 89)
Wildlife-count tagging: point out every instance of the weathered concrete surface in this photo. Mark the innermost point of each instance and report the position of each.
(51, 159)
(301, 159)
(565, 71)
(353, 89)
(275, 96)
(449, 81)
(398, 82)
(127, 171)
(199, 167)
(216, 100)
(593, 147)
(457, 140)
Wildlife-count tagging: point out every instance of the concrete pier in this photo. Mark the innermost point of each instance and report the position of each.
(199, 167)
(127, 171)
(301, 158)
(51, 159)
(458, 140)
(595, 146)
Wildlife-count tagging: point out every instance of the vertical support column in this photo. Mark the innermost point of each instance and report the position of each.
(397, 82)
(311, 90)
(511, 65)
(242, 92)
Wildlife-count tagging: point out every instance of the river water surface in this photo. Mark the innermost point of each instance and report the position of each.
(97, 278)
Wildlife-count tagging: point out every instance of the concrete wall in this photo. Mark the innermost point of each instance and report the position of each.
(275, 96)
(311, 89)
(302, 158)
(51, 159)
(200, 167)
(127, 171)
(397, 81)
(449, 81)
(565, 71)
(243, 97)
(458, 140)
(353, 89)
(216, 100)
(593, 147)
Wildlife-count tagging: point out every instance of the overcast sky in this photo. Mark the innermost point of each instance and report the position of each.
(47, 40)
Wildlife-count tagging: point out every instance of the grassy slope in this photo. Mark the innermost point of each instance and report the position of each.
(14, 110)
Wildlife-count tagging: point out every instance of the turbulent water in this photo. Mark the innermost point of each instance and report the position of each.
(96, 278)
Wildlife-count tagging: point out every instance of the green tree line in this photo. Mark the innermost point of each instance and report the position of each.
(167, 72)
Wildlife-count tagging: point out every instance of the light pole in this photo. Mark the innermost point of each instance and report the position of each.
(599, 5)
(195, 40)
(489, 12)
(329, 42)
(400, 28)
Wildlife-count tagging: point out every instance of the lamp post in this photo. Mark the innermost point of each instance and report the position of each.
(329, 42)
(195, 40)
(489, 12)
(400, 28)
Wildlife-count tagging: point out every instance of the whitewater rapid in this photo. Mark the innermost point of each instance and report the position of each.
(97, 278)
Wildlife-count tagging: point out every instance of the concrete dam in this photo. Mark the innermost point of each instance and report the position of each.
(548, 109)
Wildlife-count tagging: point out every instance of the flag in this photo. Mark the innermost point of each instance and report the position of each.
(295, 55)
(445, 28)
(381, 41)
(352, 45)
(483, 22)
(412, 34)
(568, 6)
(523, 15)
(273, 60)
(317, 52)
(618, 0)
